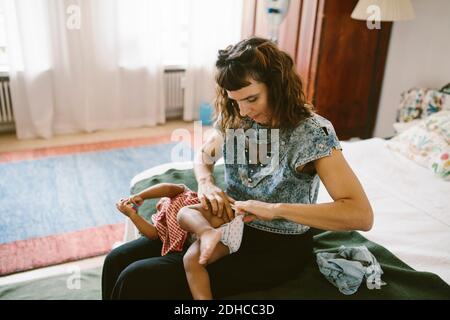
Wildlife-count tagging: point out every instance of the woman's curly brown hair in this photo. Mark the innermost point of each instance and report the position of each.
(261, 60)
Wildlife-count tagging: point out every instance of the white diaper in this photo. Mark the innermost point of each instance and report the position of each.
(232, 233)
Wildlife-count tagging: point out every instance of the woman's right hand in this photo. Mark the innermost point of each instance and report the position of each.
(214, 198)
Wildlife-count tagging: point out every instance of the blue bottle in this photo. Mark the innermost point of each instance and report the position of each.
(206, 114)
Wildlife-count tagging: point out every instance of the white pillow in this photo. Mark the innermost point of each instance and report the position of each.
(400, 127)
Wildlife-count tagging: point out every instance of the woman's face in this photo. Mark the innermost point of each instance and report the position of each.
(252, 101)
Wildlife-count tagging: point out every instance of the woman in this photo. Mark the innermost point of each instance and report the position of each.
(258, 89)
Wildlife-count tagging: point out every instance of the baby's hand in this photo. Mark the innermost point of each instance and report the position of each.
(137, 200)
(125, 206)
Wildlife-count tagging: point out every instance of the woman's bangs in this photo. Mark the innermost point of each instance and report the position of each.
(232, 78)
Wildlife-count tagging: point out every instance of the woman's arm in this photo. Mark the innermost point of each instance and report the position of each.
(208, 192)
(350, 209)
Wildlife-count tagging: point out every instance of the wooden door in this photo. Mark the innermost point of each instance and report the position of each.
(348, 65)
(340, 60)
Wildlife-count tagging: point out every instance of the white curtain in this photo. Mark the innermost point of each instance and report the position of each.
(213, 25)
(85, 65)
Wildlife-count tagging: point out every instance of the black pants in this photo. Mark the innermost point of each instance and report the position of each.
(136, 269)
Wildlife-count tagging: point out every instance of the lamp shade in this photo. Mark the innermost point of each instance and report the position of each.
(389, 10)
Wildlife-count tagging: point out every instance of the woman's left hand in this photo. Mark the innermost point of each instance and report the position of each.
(255, 210)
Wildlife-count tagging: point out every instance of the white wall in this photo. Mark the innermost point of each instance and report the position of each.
(418, 56)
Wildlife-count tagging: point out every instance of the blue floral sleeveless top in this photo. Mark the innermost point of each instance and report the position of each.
(312, 139)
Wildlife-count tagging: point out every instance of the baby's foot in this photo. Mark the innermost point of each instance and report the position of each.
(208, 241)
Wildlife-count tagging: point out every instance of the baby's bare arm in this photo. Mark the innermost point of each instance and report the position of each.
(161, 190)
(144, 227)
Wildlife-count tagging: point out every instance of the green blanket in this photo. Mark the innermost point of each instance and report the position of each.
(402, 281)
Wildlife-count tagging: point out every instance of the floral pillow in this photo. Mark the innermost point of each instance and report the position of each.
(420, 103)
(427, 143)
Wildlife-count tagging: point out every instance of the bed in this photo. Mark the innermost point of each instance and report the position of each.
(411, 232)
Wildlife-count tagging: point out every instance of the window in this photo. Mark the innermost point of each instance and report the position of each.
(175, 32)
(3, 56)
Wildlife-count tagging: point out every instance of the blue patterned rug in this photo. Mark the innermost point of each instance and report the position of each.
(72, 192)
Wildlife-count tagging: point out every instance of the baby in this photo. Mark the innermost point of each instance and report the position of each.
(180, 215)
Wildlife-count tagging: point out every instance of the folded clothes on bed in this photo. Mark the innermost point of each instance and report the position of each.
(347, 268)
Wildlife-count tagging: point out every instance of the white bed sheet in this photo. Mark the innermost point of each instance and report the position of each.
(411, 205)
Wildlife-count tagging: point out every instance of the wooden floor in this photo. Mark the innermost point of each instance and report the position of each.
(9, 141)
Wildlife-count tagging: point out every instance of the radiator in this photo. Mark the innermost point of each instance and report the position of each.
(6, 111)
(174, 92)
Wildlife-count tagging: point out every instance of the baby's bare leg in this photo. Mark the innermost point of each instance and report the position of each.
(185, 216)
(196, 273)
(202, 222)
